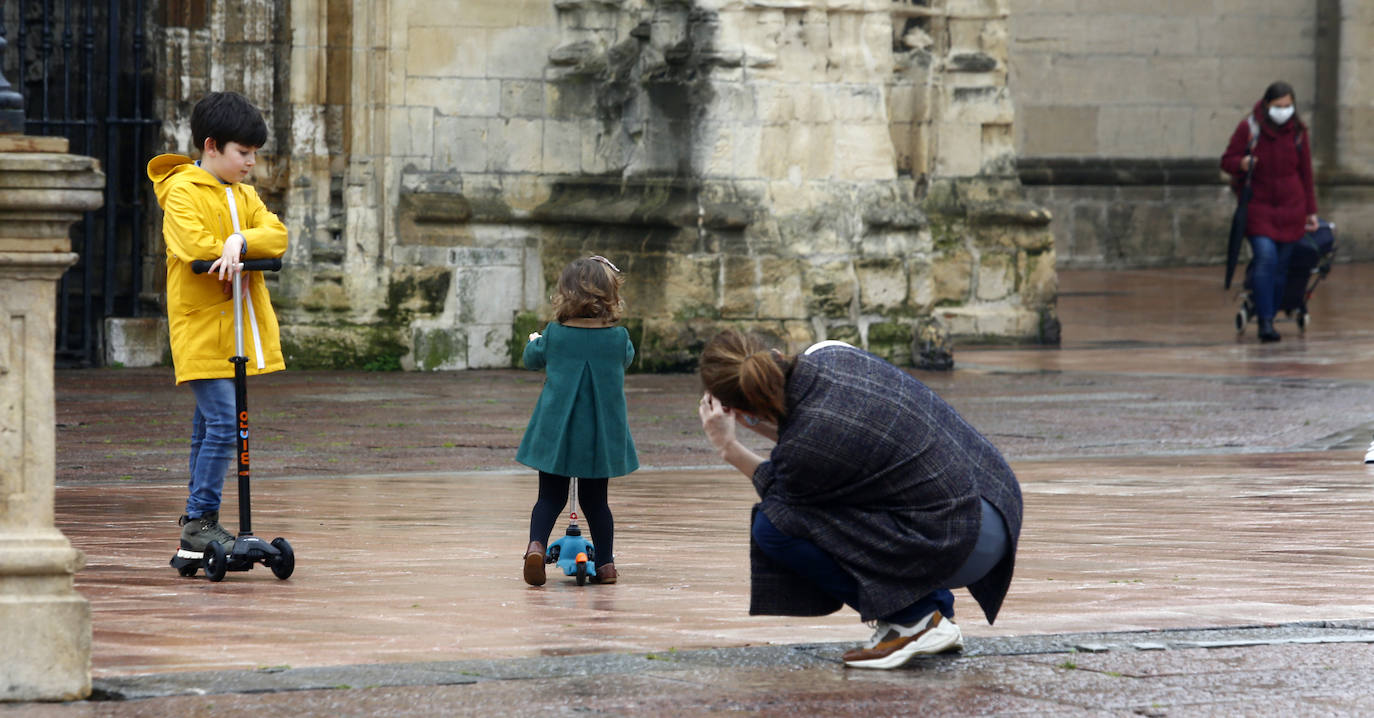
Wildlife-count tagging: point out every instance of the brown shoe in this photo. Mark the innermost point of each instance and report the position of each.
(534, 564)
(604, 574)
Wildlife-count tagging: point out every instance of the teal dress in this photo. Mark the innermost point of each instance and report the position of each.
(579, 427)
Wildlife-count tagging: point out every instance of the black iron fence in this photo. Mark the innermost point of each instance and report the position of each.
(85, 74)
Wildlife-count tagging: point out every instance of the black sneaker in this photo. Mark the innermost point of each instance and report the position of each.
(197, 533)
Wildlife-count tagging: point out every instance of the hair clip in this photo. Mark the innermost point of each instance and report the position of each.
(607, 262)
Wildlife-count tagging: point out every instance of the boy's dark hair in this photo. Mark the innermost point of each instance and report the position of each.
(227, 117)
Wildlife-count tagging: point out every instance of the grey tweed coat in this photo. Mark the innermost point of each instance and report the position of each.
(883, 475)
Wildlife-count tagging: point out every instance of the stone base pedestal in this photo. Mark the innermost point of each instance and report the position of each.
(45, 625)
(45, 645)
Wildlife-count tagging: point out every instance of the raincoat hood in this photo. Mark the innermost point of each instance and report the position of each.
(164, 168)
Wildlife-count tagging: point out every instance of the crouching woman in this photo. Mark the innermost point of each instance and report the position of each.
(877, 494)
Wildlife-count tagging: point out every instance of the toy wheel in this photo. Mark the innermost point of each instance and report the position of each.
(581, 573)
(286, 562)
(216, 563)
(1242, 317)
(187, 571)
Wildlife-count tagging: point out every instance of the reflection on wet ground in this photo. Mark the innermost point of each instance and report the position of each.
(1175, 475)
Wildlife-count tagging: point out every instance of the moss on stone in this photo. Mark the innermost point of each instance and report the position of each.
(525, 324)
(422, 292)
(436, 348)
(697, 311)
(355, 346)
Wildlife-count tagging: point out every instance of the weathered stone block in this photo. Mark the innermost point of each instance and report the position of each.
(486, 294)
(830, 288)
(488, 346)
(738, 292)
(460, 143)
(951, 277)
(563, 146)
(136, 342)
(439, 349)
(690, 286)
(863, 152)
(522, 98)
(996, 277)
(780, 289)
(443, 52)
(515, 145)
(1039, 280)
(882, 285)
(1144, 232)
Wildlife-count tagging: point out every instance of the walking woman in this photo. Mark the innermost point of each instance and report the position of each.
(1272, 144)
(877, 494)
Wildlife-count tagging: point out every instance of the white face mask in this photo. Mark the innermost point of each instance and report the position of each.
(1280, 115)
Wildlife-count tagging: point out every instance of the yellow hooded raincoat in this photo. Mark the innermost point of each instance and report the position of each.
(200, 315)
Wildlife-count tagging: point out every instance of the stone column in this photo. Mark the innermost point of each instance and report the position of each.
(45, 625)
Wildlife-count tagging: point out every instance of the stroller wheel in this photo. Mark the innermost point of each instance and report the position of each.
(1304, 320)
(1242, 317)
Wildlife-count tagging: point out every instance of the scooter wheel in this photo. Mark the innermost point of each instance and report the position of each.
(284, 564)
(216, 562)
(581, 573)
(187, 571)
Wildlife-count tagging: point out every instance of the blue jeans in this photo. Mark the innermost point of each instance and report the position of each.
(817, 566)
(1269, 274)
(213, 440)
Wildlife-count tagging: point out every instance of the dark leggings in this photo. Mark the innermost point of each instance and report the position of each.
(591, 504)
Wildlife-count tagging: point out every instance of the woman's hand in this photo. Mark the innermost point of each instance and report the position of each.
(717, 421)
(1247, 162)
(1312, 223)
(719, 424)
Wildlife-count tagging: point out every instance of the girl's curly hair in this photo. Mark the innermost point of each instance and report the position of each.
(589, 288)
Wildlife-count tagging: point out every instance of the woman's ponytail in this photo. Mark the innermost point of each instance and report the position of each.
(763, 382)
(742, 373)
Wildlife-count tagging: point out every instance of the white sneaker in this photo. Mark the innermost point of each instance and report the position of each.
(893, 644)
(1369, 455)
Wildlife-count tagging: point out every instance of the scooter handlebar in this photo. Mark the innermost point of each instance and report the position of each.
(201, 266)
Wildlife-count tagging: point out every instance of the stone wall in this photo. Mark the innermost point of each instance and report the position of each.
(1124, 110)
(815, 170)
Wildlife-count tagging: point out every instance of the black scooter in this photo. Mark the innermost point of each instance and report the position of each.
(248, 549)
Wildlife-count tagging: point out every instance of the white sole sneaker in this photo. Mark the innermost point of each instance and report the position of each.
(942, 637)
(1369, 455)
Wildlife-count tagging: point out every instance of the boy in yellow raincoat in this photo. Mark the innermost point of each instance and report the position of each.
(210, 214)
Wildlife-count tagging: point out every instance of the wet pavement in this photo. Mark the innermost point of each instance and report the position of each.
(1196, 539)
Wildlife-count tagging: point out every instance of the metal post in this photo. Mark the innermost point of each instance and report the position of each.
(108, 281)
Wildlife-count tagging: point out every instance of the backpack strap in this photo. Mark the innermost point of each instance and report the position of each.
(1253, 124)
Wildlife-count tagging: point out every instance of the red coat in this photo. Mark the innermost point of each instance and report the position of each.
(1283, 192)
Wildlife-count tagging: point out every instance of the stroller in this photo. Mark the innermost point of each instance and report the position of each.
(1308, 266)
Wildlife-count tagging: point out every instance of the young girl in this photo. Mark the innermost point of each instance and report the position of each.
(579, 427)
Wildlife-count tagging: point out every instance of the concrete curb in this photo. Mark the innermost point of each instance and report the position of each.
(276, 679)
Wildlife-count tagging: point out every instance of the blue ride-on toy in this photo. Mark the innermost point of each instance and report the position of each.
(574, 554)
